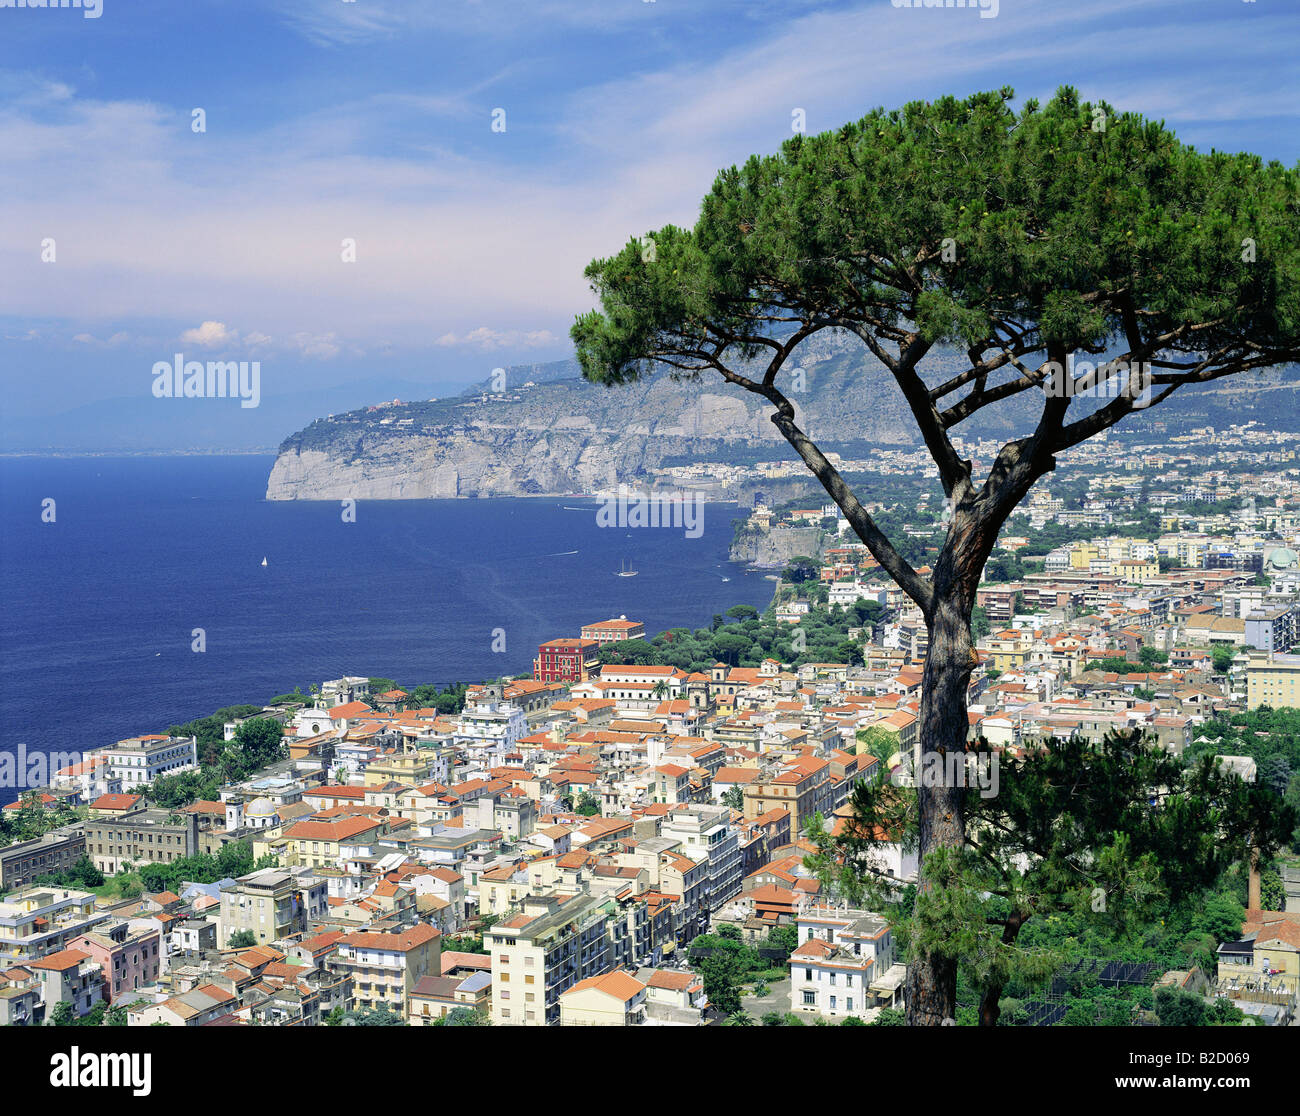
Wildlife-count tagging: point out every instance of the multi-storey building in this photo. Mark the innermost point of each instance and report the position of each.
(840, 953)
(129, 959)
(566, 660)
(556, 942)
(141, 837)
(272, 904)
(43, 920)
(1273, 680)
(385, 968)
(610, 631)
(54, 852)
(139, 760)
(705, 833)
(1271, 629)
(70, 976)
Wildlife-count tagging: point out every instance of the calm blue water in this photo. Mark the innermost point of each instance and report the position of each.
(98, 607)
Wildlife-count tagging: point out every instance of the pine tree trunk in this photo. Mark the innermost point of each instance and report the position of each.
(931, 980)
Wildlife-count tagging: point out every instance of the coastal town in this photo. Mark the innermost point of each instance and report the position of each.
(626, 835)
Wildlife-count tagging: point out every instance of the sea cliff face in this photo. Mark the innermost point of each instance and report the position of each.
(773, 548)
(564, 436)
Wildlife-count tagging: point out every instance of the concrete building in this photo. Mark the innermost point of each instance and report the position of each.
(540, 954)
(705, 833)
(41, 921)
(1273, 680)
(129, 959)
(141, 837)
(141, 759)
(272, 904)
(54, 852)
(612, 999)
(386, 968)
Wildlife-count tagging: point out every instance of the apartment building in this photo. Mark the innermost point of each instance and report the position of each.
(69, 976)
(41, 921)
(612, 999)
(841, 952)
(141, 837)
(386, 968)
(139, 760)
(128, 959)
(1273, 680)
(705, 833)
(538, 955)
(1270, 629)
(54, 852)
(272, 904)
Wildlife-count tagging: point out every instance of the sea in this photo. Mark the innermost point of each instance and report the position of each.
(134, 595)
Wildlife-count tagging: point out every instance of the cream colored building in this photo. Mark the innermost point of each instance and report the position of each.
(1273, 680)
(609, 1000)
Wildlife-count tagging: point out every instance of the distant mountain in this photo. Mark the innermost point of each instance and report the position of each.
(540, 429)
(548, 431)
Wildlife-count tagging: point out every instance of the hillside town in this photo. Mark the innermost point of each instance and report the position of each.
(571, 847)
(581, 844)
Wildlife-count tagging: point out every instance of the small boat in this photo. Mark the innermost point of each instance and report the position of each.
(626, 571)
(264, 560)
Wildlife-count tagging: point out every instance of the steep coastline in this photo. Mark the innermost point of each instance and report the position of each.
(556, 436)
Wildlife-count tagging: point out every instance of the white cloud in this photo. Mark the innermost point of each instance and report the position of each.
(210, 334)
(449, 239)
(485, 338)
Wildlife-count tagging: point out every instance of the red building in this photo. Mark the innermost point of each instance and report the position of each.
(566, 660)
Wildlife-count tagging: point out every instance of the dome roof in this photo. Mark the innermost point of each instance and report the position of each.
(260, 808)
(1282, 558)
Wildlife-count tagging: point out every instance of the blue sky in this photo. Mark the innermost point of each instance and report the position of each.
(372, 119)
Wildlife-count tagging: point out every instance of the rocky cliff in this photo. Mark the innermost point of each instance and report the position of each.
(773, 548)
(534, 437)
(541, 430)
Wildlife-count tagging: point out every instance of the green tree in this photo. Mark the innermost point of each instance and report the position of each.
(1018, 238)
(800, 569)
(241, 939)
(734, 798)
(1106, 830)
(61, 1016)
(1150, 656)
(258, 742)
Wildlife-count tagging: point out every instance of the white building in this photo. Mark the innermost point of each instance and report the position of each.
(841, 952)
(142, 759)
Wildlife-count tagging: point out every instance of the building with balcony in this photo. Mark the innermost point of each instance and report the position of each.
(540, 954)
(41, 921)
(705, 833)
(271, 905)
(386, 968)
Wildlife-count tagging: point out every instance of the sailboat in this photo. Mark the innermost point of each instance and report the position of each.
(626, 571)
(264, 560)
